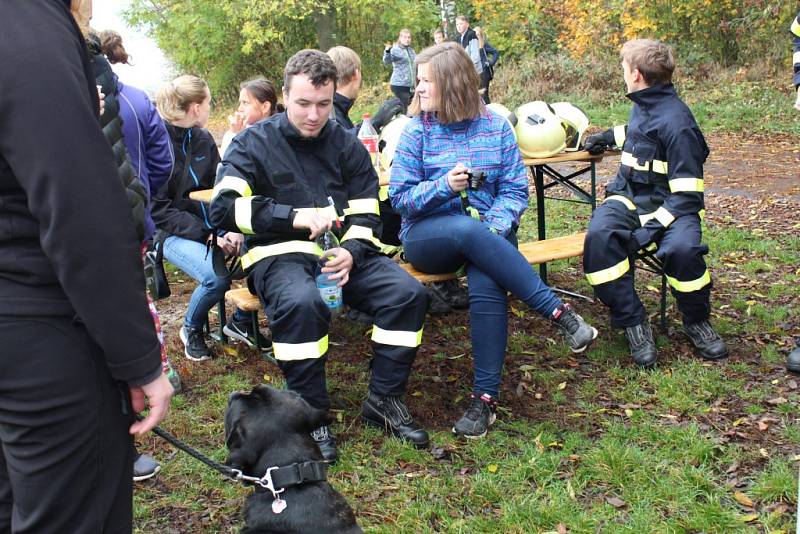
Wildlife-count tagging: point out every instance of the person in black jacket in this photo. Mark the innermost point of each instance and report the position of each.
(654, 204)
(184, 104)
(79, 352)
(282, 182)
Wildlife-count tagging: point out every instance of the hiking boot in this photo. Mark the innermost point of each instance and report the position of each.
(438, 298)
(391, 414)
(706, 340)
(643, 348)
(173, 377)
(194, 344)
(457, 295)
(478, 418)
(326, 443)
(578, 334)
(793, 360)
(145, 467)
(243, 331)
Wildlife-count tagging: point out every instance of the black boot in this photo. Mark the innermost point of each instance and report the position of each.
(706, 340)
(391, 414)
(326, 443)
(793, 360)
(643, 348)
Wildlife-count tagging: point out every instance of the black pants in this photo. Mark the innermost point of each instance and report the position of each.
(679, 249)
(486, 77)
(299, 319)
(66, 453)
(403, 93)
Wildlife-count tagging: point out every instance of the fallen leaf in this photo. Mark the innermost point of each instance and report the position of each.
(763, 426)
(616, 502)
(562, 385)
(777, 400)
(492, 468)
(743, 499)
(748, 518)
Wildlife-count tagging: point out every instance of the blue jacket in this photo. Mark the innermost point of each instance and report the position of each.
(661, 168)
(148, 144)
(428, 150)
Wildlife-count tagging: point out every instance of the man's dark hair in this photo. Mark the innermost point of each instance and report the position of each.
(318, 66)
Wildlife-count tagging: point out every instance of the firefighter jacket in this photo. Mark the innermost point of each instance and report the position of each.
(270, 171)
(795, 29)
(661, 169)
(196, 160)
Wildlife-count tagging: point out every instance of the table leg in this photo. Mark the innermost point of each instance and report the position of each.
(594, 189)
(538, 180)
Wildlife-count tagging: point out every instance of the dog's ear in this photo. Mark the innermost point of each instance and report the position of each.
(315, 418)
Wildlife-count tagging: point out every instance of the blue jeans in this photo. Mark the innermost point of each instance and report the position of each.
(190, 257)
(441, 244)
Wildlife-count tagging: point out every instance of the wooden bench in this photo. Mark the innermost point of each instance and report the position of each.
(535, 252)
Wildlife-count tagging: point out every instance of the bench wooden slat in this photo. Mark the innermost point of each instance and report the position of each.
(535, 252)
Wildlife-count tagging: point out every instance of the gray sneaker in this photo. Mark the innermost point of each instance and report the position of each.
(145, 467)
(480, 415)
(576, 331)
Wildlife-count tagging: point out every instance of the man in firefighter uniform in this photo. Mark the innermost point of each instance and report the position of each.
(793, 362)
(655, 203)
(273, 186)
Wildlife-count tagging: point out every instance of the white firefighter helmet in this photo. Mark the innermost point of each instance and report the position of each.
(390, 136)
(507, 114)
(540, 133)
(576, 121)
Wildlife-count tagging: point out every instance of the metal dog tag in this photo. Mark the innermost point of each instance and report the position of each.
(278, 506)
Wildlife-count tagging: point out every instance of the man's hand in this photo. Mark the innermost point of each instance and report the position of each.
(797, 102)
(341, 263)
(387, 46)
(158, 392)
(457, 178)
(316, 222)
(102, 96)
(595, 144)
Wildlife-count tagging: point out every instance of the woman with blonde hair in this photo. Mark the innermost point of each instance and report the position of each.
(489, 56)
(459, 183)
(401, 57)
(185, 104)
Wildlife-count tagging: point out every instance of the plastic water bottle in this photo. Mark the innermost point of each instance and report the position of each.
(369, 137)
(329, 291)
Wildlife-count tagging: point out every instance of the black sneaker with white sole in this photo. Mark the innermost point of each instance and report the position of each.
(194, 344)
(243, 331)
(480, 415)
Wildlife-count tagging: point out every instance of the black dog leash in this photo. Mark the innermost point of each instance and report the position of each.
(275, 480)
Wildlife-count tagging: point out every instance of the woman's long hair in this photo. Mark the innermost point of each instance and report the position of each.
(457, 83)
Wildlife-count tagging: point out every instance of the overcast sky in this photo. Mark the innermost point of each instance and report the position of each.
(149, 68)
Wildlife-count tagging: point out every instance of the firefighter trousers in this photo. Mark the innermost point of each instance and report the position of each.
(608, 264)
(299, 321)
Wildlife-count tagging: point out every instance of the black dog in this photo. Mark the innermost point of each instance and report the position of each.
(271, 428)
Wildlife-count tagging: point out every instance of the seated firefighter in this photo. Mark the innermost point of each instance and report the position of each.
(273, 177)
(654, 204)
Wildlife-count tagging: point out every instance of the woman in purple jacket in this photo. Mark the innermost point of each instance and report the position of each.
(453, 219)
